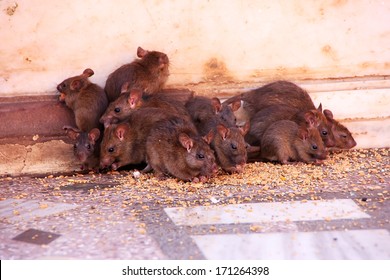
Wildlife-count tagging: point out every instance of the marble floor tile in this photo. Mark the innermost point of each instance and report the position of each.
(323, 245)
(14, 210)
(267, 212)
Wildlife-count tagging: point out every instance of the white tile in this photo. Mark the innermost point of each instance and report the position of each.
(267, 212)
(23, 210)
(324, 245)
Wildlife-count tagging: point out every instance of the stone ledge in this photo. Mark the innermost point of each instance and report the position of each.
(53, 156)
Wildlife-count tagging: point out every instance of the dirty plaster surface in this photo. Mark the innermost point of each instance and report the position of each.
(126, 215)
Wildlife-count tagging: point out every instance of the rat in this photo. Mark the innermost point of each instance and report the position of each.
(289, 94)
(149, 73)
(230, 147)
(175, 148)
(275, 93)
(87, 146)
(87, 100)
(208, 114)
(133, 98)
(285, 141)
(269, 115)
(203, 110)
(343, 137)
(125, 143)
(265, 117)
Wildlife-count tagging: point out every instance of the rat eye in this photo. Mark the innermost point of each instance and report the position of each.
(199, 156)
(117, 110)
(314, 147)
(343, 136)
(233, 146)
(111, 150)
(324, 132)
(88, 146)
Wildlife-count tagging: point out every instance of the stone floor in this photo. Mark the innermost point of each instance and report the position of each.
(339, 210)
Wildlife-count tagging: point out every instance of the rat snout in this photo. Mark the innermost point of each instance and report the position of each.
(115, 165)
(352, 143)
(82, 157)
(108, 120)
(240, 167)
(214, 168)
(164, 59)
(105, 162)
(322, 155)
(61, 98)
(59, 87)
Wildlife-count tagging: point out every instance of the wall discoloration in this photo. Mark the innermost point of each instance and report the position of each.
(215, 70)
(246, 36)
(328, 51)
(11, 9)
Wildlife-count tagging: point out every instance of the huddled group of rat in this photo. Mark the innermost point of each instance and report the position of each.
(135, 120)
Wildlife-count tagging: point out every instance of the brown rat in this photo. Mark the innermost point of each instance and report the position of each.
(343, 137)
(275, 93)
(208, 114)
(286, 141)
(86, 147)
(125, 143)
(230, 147)
(175, 148)
(205, 110)
(265, 117)
(148, 73)
(132, 99)
(289, 94)
(87, 100)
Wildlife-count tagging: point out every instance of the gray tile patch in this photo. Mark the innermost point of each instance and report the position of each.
(267, 212)
(174, 241)
(15, 210)
(85, 187)
(324, 245)
(35, 236)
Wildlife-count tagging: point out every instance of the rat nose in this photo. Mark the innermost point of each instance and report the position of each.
(240, 167)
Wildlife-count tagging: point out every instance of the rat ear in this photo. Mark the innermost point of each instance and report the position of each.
(235, 105)
(76, 85)
(120, 131)
(73, 133)
(216, 104)
(223, 131)
(311, 118)
(208, 138)
(141, 52)
(134, 98)
(125, 87)
(94, 135)
(88, 72)
(328, 114)
(319, 109)
(186, 141)
(303, 133)
(245, 128)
